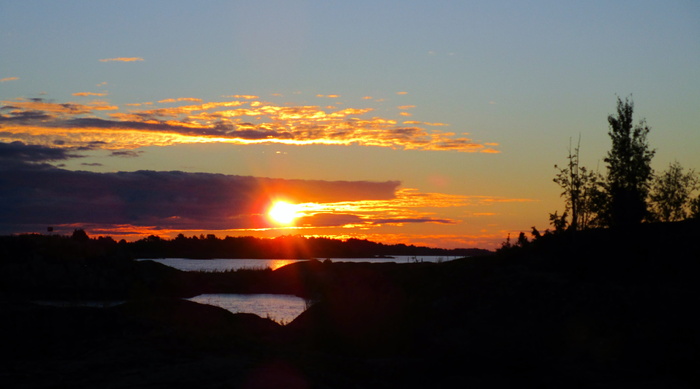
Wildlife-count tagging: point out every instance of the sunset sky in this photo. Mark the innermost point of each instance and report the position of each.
(432, 123)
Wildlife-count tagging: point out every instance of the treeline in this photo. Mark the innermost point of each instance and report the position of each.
(629, 192)
(80, 245)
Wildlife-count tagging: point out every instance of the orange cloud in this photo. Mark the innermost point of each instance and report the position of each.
(406, 106)
(180, 99)
(401, 93)
(122, 59)
(9, 79)
(239, 121)
(405, 114)
(89, 94)
(247, 97)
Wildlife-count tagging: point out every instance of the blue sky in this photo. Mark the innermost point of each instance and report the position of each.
(527, 76)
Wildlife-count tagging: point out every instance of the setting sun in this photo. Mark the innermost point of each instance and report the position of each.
(282, 212)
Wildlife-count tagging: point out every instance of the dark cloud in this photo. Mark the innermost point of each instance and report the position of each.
(22, 116)
(174, 200)
(126, 154)
(20, 153)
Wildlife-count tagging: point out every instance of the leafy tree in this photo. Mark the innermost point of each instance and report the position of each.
(629, 167)
(80, 235)
(581, 190)
(671, 193)
(695, 208)
(558, 222)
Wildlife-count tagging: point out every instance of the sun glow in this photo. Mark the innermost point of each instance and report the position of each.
(282, 212)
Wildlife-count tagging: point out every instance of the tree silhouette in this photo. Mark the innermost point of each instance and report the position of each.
(80, 235)
(581, 190)
(671, 193)
(629, 167)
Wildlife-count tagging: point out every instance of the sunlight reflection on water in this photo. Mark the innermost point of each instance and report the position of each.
(221, 264)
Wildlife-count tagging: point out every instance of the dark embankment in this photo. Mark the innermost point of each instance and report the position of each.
(598, 309)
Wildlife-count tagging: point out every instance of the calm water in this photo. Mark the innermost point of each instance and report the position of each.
(235, 264)
(281, 308)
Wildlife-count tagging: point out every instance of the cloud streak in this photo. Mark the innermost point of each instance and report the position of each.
(82, 94)
(243, 121)
(9, 79)
(122, 59)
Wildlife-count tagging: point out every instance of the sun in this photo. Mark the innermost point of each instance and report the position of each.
(282, 212)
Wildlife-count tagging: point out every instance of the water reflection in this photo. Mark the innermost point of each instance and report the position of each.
(221, 264)
(282, 308)
(275, 264)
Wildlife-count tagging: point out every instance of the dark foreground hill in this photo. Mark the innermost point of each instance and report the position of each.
(601, 309)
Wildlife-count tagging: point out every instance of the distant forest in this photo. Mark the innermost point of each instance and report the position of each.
(80, 245)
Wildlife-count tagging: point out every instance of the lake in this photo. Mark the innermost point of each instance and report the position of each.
(279, 307)
(220, 264)
(282, 308)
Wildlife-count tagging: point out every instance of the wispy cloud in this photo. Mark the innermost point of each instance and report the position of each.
(125, 154)
(122, 59)
(9, 79)
(89, 94)
(241, 121)
(180, 99)
(247, 97)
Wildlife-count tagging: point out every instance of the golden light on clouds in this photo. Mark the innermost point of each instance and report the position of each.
(246, 120)
(9, 79)
(409, 206)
